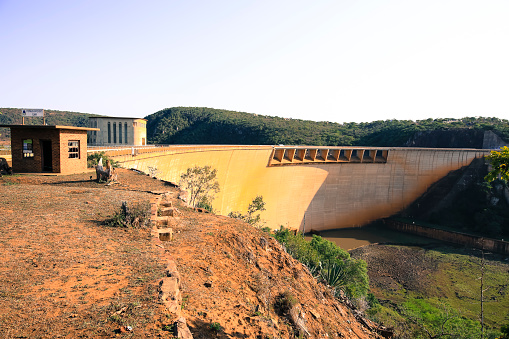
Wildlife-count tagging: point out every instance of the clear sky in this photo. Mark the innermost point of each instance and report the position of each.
(319, 60)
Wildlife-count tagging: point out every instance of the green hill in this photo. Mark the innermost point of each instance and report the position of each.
(200, 125)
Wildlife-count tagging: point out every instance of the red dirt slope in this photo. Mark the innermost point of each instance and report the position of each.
(64, 274)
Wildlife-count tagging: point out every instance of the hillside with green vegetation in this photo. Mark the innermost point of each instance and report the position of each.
(12, 116)
(434, 291)
(200, 125)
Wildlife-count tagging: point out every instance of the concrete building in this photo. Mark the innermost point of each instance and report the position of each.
(115, 131)
(54, 149)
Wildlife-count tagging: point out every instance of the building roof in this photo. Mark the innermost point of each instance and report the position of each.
(117, 118)
(52, 127)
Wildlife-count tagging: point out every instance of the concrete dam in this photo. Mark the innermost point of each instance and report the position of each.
(308, 187)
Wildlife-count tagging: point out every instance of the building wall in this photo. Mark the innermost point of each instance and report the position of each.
(34, 164)
(140, 131)
(73, 165)
(61, 163)
(317, 196)
(136, 131)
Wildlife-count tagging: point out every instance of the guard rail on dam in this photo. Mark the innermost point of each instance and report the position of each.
(308, 187)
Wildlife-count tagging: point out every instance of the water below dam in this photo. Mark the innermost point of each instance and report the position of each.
(350, 238)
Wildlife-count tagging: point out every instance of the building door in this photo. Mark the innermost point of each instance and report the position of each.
(143, 141)
(47, 161)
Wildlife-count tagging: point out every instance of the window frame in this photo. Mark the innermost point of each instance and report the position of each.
(73, 149)
(28, 152)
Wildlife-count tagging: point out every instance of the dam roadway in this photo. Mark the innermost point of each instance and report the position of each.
(308, 187)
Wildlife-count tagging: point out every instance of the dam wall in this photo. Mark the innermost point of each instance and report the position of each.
(306, 187)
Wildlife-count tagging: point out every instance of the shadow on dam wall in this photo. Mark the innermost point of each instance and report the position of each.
(316, 196)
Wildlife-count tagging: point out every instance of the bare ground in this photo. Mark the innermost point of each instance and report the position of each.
(64, 274)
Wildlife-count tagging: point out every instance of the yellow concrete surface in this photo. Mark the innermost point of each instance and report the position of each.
(317, 196)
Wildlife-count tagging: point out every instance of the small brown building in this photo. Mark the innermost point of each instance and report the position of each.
(53, 149)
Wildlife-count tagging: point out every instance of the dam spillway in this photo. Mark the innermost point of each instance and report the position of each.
(308, 187)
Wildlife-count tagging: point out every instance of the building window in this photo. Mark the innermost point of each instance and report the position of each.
(109, 133)
(119, 132)
(125, 132)
(74, 149)
(114, 132)
(28, 149)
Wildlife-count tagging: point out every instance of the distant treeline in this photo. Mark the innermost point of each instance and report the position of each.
(200, 125)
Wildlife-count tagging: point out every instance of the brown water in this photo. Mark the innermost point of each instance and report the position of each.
(350, 238)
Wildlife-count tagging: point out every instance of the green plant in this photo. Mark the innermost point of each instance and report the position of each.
(432, 322)
(333, 274)
(93, 159)
(499, 161)
(201, 184)
(136, 215)
(328, 261)
(215, 327)
(169, 328)
(206, 204)
(115, 318)
(505, 331)
(257, 205)
(185, 299)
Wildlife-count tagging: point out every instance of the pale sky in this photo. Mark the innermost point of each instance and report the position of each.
(319, 60)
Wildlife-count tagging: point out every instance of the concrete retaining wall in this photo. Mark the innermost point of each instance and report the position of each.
(491, 245)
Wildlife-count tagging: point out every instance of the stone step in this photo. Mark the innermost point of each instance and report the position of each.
(168, 211)
(166, 204)
(165, 234)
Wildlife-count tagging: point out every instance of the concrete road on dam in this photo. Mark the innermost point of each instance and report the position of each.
(308, 187)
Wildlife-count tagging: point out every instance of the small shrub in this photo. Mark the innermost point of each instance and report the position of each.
(216, 327)
(137, 215)
(206, 204)
(256, 206)
(93, 159)
(285, 302)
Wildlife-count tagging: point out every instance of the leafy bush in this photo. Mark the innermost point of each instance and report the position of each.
(206, 204)
(137, 215)
(499, 161)
(328, 261)
(257, 205)
(216, 327)
(93, 159)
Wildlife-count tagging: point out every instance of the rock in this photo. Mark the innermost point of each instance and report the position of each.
(314, 313)
(208, 283)
(264, 243)
(170, 295)
(299, 321)
(182, 329)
